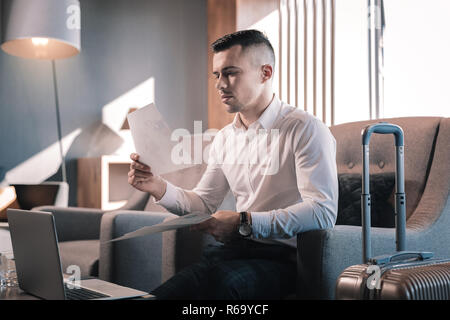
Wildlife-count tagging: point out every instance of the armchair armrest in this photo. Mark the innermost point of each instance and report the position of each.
(74, 223)
(133, 262)
(145, 262)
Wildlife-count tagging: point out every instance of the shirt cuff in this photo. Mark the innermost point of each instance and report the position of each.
(169, 199)
(261, 224)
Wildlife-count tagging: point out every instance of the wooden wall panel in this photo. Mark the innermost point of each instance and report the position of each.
(221, 21)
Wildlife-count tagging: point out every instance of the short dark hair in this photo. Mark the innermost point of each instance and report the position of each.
(245, 38)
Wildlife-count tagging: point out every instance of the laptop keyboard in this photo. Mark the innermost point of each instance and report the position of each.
(83, 294)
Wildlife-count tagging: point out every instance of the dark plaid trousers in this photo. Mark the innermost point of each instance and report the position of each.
(241, 269)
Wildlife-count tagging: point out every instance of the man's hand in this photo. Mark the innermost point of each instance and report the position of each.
(141, 177)
(223, 226)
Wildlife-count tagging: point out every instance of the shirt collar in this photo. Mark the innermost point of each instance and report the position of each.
(266, 119)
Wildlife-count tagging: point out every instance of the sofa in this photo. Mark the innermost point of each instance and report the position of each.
(144, 263)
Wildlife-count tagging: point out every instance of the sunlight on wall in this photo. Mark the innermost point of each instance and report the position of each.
(115, 113)
(42, 165)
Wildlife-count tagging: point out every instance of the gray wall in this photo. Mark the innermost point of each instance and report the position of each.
(124, 42)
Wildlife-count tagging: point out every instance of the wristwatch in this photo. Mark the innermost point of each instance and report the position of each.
(245, 229)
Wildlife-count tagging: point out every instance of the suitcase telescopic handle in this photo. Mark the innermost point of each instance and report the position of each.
(383, 128)
(400, 199)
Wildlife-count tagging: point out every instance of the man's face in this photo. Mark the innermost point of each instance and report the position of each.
(238, 78)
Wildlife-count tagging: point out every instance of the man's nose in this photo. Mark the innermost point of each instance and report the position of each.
(221, 83)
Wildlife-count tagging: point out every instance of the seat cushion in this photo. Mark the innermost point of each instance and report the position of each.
(83, 253)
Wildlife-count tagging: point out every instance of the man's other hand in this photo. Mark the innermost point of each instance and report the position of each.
(223, 226)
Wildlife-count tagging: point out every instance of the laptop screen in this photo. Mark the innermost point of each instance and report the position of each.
(36, 254)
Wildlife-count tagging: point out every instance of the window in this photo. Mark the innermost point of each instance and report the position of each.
(322, 50)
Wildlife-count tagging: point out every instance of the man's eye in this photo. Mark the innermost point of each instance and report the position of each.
(225, 74)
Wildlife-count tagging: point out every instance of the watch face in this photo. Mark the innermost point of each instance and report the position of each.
(245, 230)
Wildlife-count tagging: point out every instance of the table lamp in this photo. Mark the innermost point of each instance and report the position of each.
(44, 30)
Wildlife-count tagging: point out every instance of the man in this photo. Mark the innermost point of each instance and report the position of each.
(290, 189)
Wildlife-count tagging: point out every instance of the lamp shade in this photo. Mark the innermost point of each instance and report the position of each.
(41, 29)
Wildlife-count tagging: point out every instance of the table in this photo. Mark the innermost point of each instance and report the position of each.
(16, 293)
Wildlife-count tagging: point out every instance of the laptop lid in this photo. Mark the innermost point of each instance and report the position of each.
(36, 254)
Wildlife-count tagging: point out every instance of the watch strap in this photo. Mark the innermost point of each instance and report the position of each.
(244, 218)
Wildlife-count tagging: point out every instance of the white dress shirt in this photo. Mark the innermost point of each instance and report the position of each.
(282, 170)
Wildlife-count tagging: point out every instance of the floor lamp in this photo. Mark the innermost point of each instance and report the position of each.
(44, 30)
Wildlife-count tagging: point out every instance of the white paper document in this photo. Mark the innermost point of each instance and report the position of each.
(152, 140)
(177, 223)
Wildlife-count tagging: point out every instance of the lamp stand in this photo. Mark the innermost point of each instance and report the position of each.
(58, 122)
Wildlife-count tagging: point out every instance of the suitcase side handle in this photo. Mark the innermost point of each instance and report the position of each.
(400, 198)
(401, 255)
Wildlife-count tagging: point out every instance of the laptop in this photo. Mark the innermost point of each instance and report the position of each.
(38, 265)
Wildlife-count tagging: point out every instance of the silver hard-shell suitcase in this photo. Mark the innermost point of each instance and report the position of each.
(407, 275)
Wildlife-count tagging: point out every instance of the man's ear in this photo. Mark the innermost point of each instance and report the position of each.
(267, 72)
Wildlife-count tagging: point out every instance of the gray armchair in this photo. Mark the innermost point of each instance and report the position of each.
(323, 255)
(78, 231)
